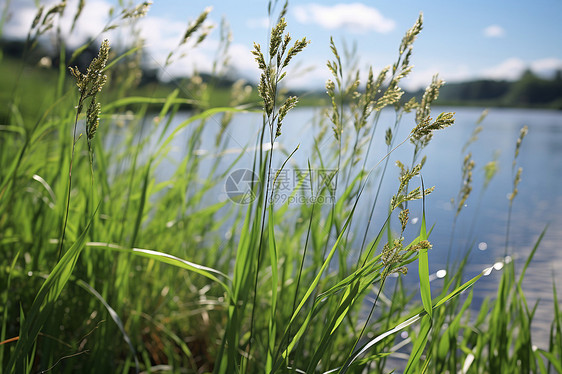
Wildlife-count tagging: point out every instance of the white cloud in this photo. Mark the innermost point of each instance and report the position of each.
(243, 61)
(313, 75)
(546, 66)
(494, 31)
(509, 69)
(512, 68)
(160, 35)
(92, 21)
(355, 17)
(17, 27)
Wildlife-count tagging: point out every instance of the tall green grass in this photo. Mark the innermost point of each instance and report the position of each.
(105, 267)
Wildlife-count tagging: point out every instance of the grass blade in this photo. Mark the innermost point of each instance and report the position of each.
(419, 344)
(531, 255)
(552, 359)
(311, 289)
(44, 302)
(410, 320)
(142, 202)
(114, 316)
(274, 282)
(423, 265)
(5, 302)
(168, 259)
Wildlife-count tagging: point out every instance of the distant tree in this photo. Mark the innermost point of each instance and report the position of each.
(474, 91)
(531, 90)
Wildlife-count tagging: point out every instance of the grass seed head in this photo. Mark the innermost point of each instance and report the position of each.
(404, 217)
(388, 137)
(422, 134)
(294, 50)
(466, 189)
(411, 34)
(276, 37)
(90, 84)
(92, 119)
(430, 95)
(37, 17)
(194, 26)
(490, 170)
(522, 135)
(137, 12)
(79, 10)
(516, 181)
(288, 105)
(424, 244)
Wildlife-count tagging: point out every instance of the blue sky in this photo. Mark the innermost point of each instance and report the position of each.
(461, 40)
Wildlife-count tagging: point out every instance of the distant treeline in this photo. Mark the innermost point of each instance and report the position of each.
(528, 91)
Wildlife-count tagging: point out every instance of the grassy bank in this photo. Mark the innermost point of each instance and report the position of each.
(106, 268)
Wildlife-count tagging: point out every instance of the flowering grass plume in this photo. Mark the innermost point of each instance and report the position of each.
(89, 85)
(280, 55)
(466, 189)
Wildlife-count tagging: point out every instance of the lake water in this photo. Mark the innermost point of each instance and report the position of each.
(481, 225)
